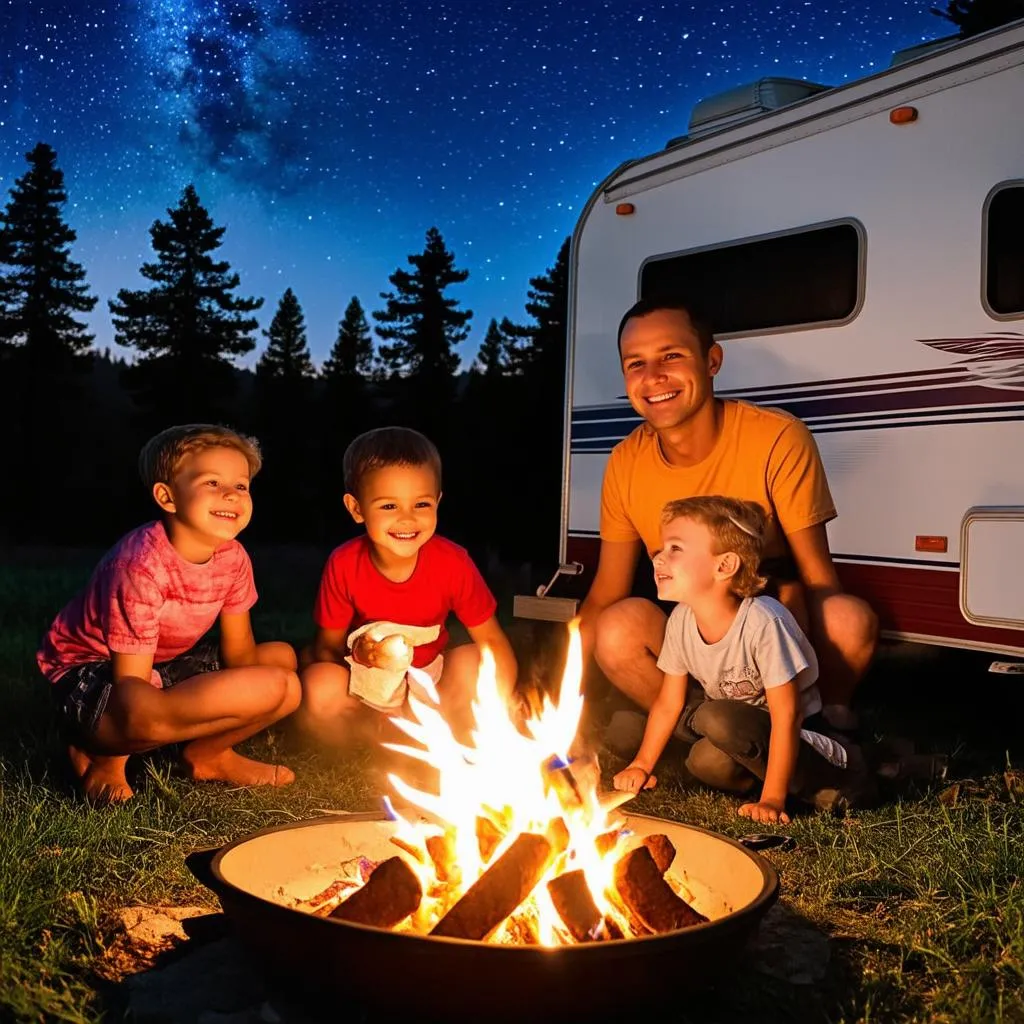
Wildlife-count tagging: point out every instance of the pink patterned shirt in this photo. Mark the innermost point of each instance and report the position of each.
(144, 598)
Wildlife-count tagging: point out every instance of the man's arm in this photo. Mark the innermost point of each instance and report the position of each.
(237, 644)
(490, 634)
(616, 567)
(814, 560)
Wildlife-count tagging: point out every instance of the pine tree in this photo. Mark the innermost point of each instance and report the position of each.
(189, 325)
(543, 354)
(421, 322)
(43, 287)
(974, 16)
(287, 355)
(493, 357)
(352, 357)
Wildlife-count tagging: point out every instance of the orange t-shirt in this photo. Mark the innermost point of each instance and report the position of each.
(762, 455)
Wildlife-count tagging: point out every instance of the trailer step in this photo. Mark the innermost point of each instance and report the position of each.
(1007, 668)
(551, 609)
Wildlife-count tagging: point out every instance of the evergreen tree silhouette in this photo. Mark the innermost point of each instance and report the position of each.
(497, 351)
(423, 325)
(974, 16)
(286, 357)
(44, 355)
(543, 350)
(189, 326)
(352, 356)
(42, 288)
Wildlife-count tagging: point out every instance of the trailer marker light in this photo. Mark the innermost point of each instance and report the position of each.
(903, 115)
(625, 209)
(938, 545)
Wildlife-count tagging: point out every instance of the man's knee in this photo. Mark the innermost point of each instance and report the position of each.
(709, 764)
(848, 621)
(627, 630)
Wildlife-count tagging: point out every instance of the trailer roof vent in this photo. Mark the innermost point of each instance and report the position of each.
(909, 53)
(725, 109)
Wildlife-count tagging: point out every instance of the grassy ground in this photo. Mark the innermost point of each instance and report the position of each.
(921, 898)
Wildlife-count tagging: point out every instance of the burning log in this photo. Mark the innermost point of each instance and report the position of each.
(610, 929)
(442, 852)
(488, 836)
(662, 850)
(643, 890)
(390, 895)
(606, 841)
(502, 887)
(571, 897)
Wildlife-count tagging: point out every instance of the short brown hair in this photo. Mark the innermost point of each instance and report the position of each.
(162, 455)
(698, 317)
(388, 446)
(734, 525)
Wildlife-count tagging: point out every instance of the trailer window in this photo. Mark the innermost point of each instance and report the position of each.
(792, 280)
(1004, 284)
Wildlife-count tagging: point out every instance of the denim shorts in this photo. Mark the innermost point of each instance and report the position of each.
(81, 694)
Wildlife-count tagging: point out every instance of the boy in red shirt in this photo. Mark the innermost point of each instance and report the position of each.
(384, 599)
(124, 658)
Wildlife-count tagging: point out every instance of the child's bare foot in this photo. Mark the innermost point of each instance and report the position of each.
(238, 770)
(102, 778)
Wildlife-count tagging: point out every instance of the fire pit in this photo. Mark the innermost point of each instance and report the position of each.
(261, 877)
(499, 891)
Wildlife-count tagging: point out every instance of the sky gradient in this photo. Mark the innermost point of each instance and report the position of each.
(328, 136)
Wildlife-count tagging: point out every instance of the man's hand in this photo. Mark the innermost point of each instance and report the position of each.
(392, 653)
(633, 779)
(768, 812)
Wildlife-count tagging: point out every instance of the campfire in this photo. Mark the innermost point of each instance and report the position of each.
(514, 845)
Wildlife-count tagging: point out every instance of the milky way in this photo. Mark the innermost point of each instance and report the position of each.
(328, 136)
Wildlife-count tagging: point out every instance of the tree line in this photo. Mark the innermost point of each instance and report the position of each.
(75, 417)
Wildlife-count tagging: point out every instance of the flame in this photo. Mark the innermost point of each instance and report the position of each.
(519, 779)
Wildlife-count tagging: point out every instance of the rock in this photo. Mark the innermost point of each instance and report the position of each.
(790, 948)
(157, 926)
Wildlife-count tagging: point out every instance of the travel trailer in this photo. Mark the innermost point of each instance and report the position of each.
(861, 250)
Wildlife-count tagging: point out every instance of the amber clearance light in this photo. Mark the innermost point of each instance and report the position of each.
(926, 542)
(625, 209)
(903, 115)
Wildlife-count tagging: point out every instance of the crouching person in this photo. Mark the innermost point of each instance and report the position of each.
(125, 661)
(755, 727)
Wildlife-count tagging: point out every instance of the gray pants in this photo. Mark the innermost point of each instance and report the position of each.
(730, 749)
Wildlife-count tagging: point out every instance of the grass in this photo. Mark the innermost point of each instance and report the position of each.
(921, 898)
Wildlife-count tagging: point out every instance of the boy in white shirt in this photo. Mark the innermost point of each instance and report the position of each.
(757, 720)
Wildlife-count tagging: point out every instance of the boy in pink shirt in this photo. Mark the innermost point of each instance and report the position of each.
(124, 657)
(385, 597)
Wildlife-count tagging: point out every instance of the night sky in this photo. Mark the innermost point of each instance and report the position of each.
(328, 135)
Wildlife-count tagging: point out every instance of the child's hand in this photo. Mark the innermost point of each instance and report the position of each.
(633, 779)
(767, 812)
(393, 653)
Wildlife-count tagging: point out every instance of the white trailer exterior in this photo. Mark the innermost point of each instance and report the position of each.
(905, 241)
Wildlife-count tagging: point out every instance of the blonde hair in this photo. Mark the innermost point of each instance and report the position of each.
(734, 525)
(162, 455)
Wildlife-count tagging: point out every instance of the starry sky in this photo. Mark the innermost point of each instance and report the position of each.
(329, 135)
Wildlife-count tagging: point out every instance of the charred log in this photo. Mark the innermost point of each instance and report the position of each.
(572, 898)
(499, 890)
(390, 895)
(643, 890)
(662, 850)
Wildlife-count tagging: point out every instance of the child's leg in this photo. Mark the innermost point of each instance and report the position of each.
(732, 753)
(328, 714)
(102, 777)
(221, 708)
(212, 758)
(457, 688)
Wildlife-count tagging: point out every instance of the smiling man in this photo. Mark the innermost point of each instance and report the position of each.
(692, 443)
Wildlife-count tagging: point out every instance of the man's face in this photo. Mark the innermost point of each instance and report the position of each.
(667, 377)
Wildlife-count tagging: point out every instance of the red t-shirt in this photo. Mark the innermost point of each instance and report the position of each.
(144, 598)
(353, 592)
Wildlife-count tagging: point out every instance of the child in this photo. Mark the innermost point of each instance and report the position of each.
(124, 660)
(758, 671)
(385, 596)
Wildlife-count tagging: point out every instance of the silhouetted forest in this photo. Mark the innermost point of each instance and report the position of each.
(74, 418)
